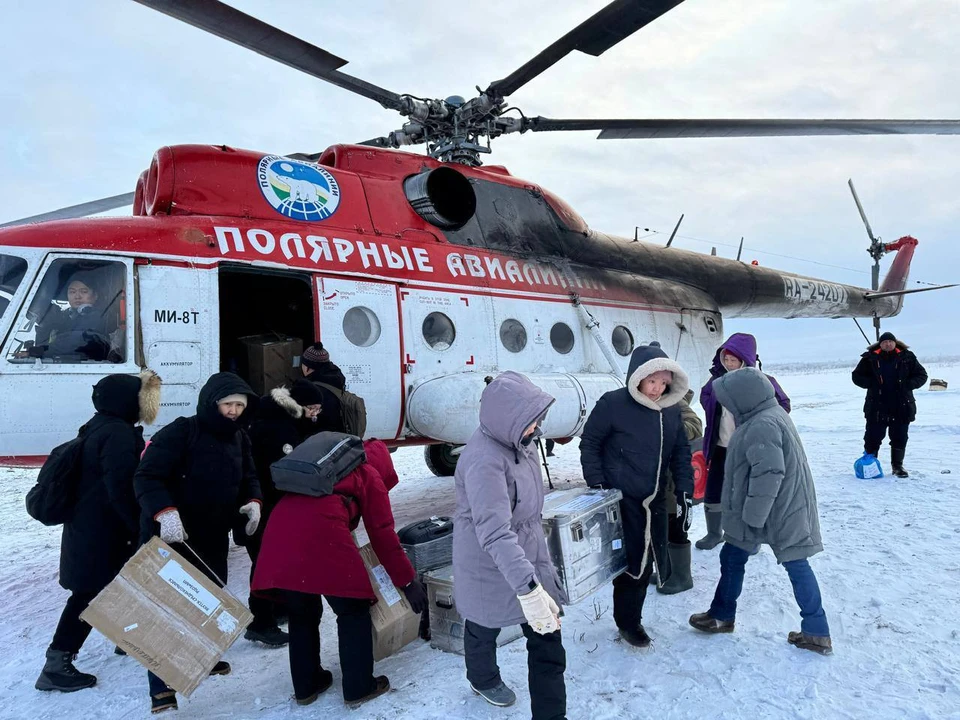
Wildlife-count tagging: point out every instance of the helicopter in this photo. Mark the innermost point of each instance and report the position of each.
(423, 274)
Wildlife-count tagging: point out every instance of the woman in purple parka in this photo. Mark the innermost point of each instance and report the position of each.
(740, 350)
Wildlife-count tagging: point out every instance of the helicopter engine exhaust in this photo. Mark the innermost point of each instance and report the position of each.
(442, 196)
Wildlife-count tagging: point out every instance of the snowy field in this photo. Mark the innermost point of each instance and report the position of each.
(890, 577)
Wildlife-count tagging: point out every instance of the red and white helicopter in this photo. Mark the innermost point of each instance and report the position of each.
(422, 274)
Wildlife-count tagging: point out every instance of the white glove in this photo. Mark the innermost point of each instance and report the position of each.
(171, 527)
(252, 511)
(541, 612)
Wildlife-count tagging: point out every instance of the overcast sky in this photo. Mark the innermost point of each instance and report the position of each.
(89, 90)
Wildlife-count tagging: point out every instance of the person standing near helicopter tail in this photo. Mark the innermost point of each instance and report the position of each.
(739, 350)
(889, 372)
(195, 481)
(102, 533)
(633, 435)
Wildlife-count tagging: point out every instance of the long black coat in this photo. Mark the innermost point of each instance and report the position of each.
(629, 443)
(278, 428)
(101, 536)
(889, 379)
(203, 467)
(330, 418)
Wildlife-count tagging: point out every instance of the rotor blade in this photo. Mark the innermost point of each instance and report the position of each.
(377, 142)
(895, 293)
(230, 24)
(648, 129)
(863, 215)
(77, 211)
(594, 36)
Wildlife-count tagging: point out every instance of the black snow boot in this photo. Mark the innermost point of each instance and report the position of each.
(166, 700)
(680, 579)
(272, 636)
(714, 535)
(60, 674)
(705, 622)
(896, 461)
(636, 636)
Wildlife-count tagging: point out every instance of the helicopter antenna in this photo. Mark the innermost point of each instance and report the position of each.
(740, 249)
(674, 233)
(876, 251)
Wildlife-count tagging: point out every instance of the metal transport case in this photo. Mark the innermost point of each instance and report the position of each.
(584, 531)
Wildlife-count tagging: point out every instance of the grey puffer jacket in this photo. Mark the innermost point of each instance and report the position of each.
(498, 541)
(768, 493)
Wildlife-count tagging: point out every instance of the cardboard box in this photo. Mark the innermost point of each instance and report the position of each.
(271, 360)
(395, 625)
(168, 616)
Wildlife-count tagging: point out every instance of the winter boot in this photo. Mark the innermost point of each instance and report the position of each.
(117, 650)
(680, 579)
(705, 622)
(272, 636)
(326, 680)
(221, 668)
(816, 643)
(166, 700)
(499, 695)
(636, 636)
(60, 674)
(896, 462)
(380, 685)
(714, 534)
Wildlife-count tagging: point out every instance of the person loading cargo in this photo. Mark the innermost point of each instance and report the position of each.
(502, 570)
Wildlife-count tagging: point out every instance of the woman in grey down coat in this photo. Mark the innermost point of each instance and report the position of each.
(768, 498)
(502, 569)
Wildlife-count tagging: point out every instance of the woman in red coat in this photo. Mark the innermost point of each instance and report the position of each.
(308, 552)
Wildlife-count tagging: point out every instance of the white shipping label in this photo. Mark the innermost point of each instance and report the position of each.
(180, 581)
(390, 595)
(617, 544)
(871, 470)
(226, 622)
(596, 544)
(128, 628)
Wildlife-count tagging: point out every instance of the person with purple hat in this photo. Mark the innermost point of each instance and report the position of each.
(740, 350)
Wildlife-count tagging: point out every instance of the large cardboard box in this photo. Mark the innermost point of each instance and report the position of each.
(271, 360)
(395, 625)
(168, 616)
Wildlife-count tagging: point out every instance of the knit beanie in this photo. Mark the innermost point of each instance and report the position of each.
(314, 356)
(888, 336)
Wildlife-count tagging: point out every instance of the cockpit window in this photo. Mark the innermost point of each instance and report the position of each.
(77, 315)
(12, 270)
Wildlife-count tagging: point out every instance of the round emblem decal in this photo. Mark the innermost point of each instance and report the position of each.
(299, 190)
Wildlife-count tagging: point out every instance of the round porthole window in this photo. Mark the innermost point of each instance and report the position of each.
(622, 340)
(513, 335)
(561, 337)
(361, 326)
(438, 331)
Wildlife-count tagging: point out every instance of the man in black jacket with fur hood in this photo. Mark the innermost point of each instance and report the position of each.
(632, 437)
(889, 372)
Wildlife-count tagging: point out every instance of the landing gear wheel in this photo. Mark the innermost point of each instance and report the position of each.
(440, 459)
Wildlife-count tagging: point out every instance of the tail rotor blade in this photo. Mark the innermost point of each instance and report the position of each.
(863, 215)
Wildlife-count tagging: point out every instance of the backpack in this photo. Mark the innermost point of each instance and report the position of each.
(353, 410)
(52, 499)
(318, 463)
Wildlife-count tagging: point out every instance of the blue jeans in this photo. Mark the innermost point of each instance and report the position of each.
(733, 561)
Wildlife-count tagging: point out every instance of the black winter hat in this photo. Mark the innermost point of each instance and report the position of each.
(306, 393)
(118, 395)
(314, 356)
(888, 336)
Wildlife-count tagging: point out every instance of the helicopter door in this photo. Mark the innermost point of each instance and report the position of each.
(360, 328)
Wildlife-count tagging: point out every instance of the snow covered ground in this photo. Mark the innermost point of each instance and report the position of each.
(890, 577)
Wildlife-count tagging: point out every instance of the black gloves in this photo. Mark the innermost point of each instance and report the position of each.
(416, 596)
(684, 514)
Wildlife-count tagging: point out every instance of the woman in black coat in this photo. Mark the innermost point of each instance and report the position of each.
(196, 480)
(102, 533)
(890, 372)
(285, 418)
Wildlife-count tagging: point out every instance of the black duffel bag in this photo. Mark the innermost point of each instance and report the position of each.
(318, 463)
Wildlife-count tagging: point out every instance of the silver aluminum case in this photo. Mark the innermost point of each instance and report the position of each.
(446, 625)
(584, 531)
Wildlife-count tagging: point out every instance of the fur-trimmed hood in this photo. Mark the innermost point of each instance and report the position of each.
(281, 396)
(132, 398)
(149, 396)
(646, 360)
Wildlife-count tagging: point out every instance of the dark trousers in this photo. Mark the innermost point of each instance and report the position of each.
(733, 562)
(71, 631)
(878, 429)
(629, 594)
(264, 611)
(546, 663)
(714, 490)
(355, 633)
